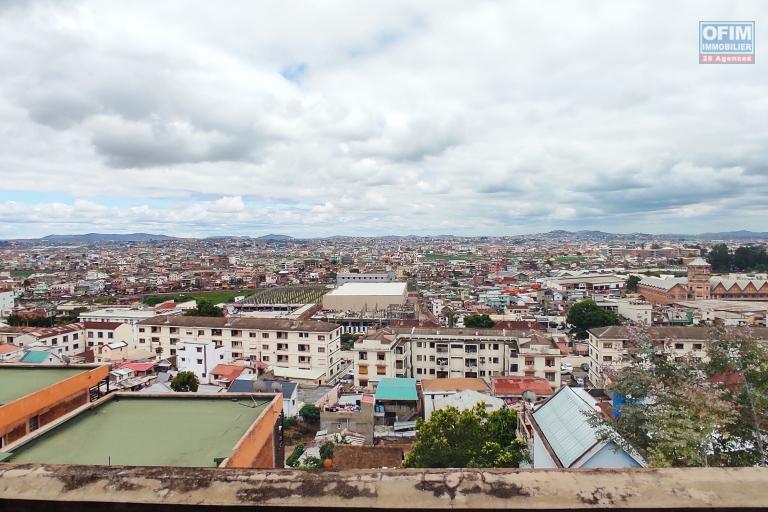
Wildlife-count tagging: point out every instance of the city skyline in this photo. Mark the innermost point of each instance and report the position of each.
(375, 119)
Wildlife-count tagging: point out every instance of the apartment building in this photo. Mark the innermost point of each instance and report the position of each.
(199, 357)
(280, 343)
(608, 350)
(426, 353)
(67, 340)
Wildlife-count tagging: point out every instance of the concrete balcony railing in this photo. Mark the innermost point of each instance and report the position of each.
(34, 487)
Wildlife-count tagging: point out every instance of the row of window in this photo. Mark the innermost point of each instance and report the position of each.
(234, 333)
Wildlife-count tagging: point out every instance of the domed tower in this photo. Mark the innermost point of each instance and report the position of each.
(699, 272)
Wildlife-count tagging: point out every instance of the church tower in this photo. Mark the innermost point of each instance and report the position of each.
(699, 272)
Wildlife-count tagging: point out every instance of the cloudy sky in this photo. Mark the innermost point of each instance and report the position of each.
(356, 117)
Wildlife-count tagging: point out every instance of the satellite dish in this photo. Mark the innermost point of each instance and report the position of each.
(65, 358)
(260, 386)
(277, 387)
(529, 396)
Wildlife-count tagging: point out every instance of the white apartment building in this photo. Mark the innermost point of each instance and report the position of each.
(199, 357)
(608, 351)
(7, 301)
(280, 343)
(427, 353)
(68, 340)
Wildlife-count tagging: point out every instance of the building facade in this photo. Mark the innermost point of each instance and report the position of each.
(424, 353)
(279, 343)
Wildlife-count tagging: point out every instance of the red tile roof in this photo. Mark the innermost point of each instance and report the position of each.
(227, 371)
(7, 348)
(106, 326)
(138, 367)
(516, 385)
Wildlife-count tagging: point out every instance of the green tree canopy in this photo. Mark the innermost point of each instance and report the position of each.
(586, 314)
(205, 308)
(310, 413)
(687, 411)
(720, 258)
(632, 283)
(480, 321)
(469, 438)
(185, 381)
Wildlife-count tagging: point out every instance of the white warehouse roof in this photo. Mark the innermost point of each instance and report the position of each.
(397, 289)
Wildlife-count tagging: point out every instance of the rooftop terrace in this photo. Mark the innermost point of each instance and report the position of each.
(18, 382)
(140, 431)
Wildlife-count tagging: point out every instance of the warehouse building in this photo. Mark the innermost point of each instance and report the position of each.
(365, 296)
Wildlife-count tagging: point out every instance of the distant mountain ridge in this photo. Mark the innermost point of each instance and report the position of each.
(105, 237)
(551, 235)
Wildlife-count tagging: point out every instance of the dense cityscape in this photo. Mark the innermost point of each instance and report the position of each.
(383, 256)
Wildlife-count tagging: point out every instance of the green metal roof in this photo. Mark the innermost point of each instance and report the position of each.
(396, 389)
(35, 357)
(150, 431)
(18, 382)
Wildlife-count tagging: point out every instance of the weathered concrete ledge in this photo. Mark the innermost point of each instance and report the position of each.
(117, 487)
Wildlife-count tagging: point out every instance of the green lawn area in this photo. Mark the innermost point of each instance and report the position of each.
(22, 273)
(215, 297)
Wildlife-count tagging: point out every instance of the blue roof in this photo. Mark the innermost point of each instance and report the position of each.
(396, 389)
(563, 420)
(34, 357)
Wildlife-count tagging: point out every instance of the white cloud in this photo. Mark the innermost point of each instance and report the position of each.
(396, 117)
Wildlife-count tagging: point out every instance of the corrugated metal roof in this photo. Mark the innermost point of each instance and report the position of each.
(563, 421)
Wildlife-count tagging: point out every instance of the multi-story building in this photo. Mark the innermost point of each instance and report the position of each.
(199, 357)
(7, 302)
(280, 343)
(609, 351)
(68, 340)
(426, 353)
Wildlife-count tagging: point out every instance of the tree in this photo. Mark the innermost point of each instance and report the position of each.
(632, 283)
(720, 258)
(686, 411)
(205, 308)
(347, 340)
(586, 314)
(326, 450)
(185, 381)
(481, 321)
(310, 413)
(293, 458)
(471, 438)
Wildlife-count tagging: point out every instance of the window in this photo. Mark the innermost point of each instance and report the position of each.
(419, 344)
(199, 361)
(607, 345)
(142, 340)
(265, 347)
(200, 332)
(236, 355)
(550, 376)
(110, 335)
(265, 335)
(380, 356)
(174, 330)
(495, 346)
(303, 335)
(679, 346)
(54, 341)
(33, 423)
(215, 332)
(237, 344)
(236, 333)
(265, 358)
(141, 329)
(608, 359)
(362, 355)
(456, 345)
(321, 350)
(418, 371)
(100, 334)
(697, 346)
(320, 337)
(282, 335)
(381, 370)
(75, 336)
(199, 349)
(90, 334)
(251, 334)
(419, 358)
